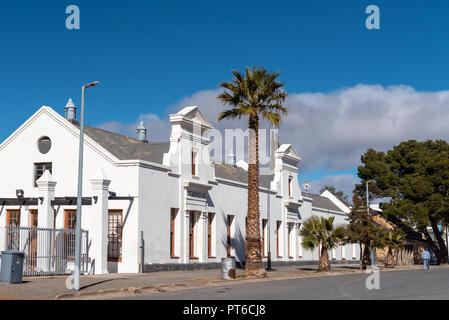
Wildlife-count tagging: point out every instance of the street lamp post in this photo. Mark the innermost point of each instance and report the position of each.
(76, 282)
(268, 235)
(367, 208)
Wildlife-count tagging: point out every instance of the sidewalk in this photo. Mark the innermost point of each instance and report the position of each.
(94, 286)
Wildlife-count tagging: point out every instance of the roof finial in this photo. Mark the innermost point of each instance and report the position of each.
(70, 110)
(231, 158)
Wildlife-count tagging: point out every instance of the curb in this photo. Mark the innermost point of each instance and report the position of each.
(164, 287)
(133, 290)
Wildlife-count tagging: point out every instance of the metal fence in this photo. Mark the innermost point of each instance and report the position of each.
(47, 251)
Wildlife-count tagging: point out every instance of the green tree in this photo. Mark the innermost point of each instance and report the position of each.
(363, 230)
(321, 232)
(415, 175)
(254, 95)
(394, 240)
(338, 193)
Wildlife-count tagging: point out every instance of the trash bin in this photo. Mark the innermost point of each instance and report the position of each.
(12, 266)
(228, 268)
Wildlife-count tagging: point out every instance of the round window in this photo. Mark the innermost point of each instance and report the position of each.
(44, 145)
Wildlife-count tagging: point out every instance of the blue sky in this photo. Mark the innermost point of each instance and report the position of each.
(152, 55)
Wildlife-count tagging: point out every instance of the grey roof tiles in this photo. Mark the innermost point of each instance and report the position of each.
(127, 148)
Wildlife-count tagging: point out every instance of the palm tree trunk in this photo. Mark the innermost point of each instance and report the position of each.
(389, 261)
(324, 260)
(254, 265)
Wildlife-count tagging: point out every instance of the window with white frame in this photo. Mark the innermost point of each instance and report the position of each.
(290, 187)
(39, 169)
(230, 225)
(265, 238)
(194, 164)
(291, 242)
(211, 237)
(279, 239)
(174, 233)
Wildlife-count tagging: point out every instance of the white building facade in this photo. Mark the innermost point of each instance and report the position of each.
(154, 206)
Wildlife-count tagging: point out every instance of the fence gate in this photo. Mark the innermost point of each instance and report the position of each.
(47, 251)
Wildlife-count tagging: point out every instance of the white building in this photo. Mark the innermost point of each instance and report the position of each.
(153, 206)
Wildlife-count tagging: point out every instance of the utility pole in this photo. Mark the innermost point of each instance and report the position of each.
(367, 208)
(76, 282)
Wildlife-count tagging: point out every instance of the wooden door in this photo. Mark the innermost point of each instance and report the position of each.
(278, 247)
(192, 235)
(229, 244)
(290, 227)
(209, 235)
(172, 232)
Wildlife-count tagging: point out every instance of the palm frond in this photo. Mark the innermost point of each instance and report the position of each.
(255, 93)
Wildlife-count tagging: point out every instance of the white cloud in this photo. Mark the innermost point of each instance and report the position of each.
(332, 130)
(342, 182)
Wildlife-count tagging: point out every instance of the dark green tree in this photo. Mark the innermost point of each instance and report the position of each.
(415, 175)
(363, 230)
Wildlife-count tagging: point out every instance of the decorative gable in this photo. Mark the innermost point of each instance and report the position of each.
(287, 151)
(192, 114)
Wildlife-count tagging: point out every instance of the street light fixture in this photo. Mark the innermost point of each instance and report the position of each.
(76, 282)
(19, 193)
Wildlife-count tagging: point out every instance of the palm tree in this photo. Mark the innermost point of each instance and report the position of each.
(254, 95)
(319, 231)
(395, 241)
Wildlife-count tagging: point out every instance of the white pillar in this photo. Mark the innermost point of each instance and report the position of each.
(285, 239)
(25, 216)
(295, 241)
(98, 223)
(46, 190)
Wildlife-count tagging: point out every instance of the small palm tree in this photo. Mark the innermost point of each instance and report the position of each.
(254, 95)
(319, 231)
(395, 241)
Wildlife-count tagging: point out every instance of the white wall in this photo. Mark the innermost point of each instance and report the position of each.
(156, 189)
(19, 153)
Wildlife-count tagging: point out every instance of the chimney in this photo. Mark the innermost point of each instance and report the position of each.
(231, 159)
(70, 111)
(141, 132)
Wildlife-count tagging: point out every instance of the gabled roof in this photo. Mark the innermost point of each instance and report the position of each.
(194, 114)
(127, 148)
(234, 173)
(286, 150)
(343, 206)
(320, 202)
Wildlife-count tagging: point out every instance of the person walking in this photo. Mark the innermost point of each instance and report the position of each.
(425, 256)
